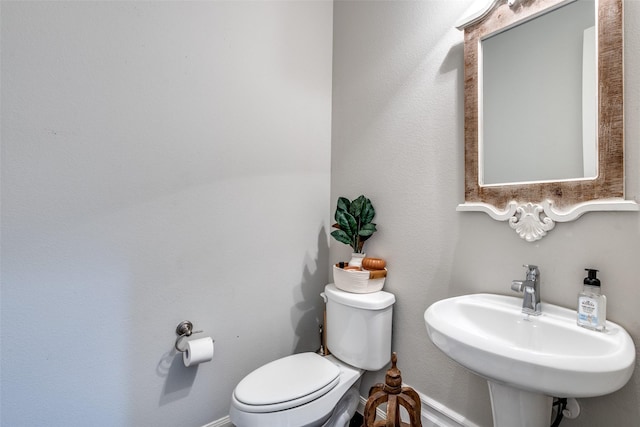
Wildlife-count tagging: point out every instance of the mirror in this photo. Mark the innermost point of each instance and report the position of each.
(539, 76)
(533, 180)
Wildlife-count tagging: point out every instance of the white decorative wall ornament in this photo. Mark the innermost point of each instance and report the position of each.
(532, 221)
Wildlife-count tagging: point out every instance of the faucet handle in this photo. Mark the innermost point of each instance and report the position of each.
(532, 272)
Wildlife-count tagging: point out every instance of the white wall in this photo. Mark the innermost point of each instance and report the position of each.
(161, 161)
(398, 138)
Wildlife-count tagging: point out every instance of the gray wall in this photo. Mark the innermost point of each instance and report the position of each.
(168, 161)
(398, 138)
(161, 161)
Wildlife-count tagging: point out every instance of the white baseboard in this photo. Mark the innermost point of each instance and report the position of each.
(380, 414)
(433, 414)
(436, 414)
(222, 422)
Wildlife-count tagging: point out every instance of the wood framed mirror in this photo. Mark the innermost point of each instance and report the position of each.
(591, 176)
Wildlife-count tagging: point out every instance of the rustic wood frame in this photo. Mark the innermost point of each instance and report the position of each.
(572, 197)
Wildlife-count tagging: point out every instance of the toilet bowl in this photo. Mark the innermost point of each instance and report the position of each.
(309, 390)
(255, 403)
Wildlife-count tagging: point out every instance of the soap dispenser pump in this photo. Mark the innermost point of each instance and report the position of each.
(592, 305)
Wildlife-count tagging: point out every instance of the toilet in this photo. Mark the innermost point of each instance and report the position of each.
(309, 390)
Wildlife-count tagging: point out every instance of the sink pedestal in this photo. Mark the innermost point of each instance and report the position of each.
(512, 407)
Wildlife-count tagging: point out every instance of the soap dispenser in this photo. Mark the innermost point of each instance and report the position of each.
(592, 305)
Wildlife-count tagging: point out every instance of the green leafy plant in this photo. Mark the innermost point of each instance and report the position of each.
(353, 222)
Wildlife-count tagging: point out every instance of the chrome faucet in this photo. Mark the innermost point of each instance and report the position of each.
(531, 288)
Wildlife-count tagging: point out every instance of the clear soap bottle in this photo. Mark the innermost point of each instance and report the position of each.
(592, 305)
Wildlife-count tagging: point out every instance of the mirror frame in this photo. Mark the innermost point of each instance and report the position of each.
(532, 209)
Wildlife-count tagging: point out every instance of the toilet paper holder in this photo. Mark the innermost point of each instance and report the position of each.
(184, 330)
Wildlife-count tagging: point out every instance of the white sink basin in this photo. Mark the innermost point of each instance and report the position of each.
(549, 354)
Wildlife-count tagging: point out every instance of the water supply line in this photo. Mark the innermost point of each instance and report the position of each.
(561, 403)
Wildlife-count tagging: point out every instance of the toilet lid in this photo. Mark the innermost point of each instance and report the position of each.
(287, 382)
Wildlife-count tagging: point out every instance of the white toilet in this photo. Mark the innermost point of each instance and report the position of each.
(307, 389)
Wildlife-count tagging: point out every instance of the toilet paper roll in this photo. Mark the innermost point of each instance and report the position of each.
(198, 351)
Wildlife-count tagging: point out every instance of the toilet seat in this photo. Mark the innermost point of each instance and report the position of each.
(286, 383)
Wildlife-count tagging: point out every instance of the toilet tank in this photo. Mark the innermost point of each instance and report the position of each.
(359, 327)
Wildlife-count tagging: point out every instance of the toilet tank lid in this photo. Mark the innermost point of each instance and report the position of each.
(372, 301)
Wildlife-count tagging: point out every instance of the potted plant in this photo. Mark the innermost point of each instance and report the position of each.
(353, 223)
(354, 227)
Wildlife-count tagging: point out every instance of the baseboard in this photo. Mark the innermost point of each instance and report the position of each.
(433, 414)
(380, 414)
(222, 422)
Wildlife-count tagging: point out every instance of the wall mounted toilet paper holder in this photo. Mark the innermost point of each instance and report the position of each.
(183, 330)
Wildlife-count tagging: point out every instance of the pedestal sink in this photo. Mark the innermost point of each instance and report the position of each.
(528, 360)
